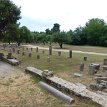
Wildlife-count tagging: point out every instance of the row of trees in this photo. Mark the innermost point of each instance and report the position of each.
(93, 33)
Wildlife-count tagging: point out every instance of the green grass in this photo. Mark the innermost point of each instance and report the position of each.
(63, 67)
(79, 48)
(57, 63)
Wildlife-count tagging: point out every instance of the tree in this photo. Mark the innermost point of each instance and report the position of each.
(56, 28)
(9, 14)
(36, 34)
(42, 37)
(94, 30)
(24, 35)
(12, 33)
(78, 37)
(69, 35)
(48, 32)
(59, 37)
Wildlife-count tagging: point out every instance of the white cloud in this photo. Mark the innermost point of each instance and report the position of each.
(68, 13)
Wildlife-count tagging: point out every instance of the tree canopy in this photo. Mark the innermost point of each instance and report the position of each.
(58, 36)
(9, 14)
(93, 33)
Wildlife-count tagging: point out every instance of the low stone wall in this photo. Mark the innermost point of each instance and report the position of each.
(77, 89)
(11, 61)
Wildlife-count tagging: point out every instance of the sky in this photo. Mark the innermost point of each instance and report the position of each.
(38, 15)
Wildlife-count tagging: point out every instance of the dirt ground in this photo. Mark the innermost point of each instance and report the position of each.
(16, 88)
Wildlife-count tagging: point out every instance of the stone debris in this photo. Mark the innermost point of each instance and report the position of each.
(98, 75)
(102, 93)
(43, 51)
(56, 93)
(78, 88)
(93, 68)
(18, 51)
(47, 73)
(10, 59)
(98, 79)
(105, 74)
(37, 49)
(9, 56)
(105, 62)
(50, 50)
(85, 58)
(96, 87)
(23, 53)
(70, 53)
(30, 54)
(48, 59)
(13, 50)
(77, 75)
(81, 66)
(101, 84)
(1, 55)
(104, 65)
(38, 57)
(31, 49)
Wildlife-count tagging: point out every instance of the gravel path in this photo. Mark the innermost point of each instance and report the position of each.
(7, 69)
(65, 50)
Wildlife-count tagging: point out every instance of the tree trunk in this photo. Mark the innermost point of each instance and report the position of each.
(18, 43)
(60, 44)
(9, 42)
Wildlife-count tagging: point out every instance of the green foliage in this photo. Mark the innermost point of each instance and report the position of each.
(12, 33)
(56, 28)
(95, 30)
(24, 35)
(69, 35)
(9, 14)
(78, 37)
(41, 37)
(59, 37)
(48, 32)
(93, 33)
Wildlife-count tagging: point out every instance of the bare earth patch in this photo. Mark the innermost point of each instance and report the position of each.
(17, 89)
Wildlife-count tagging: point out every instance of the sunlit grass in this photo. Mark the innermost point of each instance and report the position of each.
(63, 67)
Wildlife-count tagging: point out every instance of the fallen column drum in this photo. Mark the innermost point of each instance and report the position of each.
(56, 93)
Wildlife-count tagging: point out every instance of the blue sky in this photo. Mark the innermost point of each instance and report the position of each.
(39, 15)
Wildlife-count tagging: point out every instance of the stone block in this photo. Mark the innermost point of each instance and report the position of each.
(48, 59)
(23, 53)
(70, 53)
(9, 56)
(85, 58)
(38, 57)
(37, 49)
(43, 51)
(18, 51)
(30, 54)
(50, 50)
(77, 75)
(81, 66)
(59, 53)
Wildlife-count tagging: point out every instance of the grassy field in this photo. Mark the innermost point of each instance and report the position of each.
(22, 90)
(84, 48)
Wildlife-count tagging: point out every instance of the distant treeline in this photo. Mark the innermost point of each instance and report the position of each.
(93, 33)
